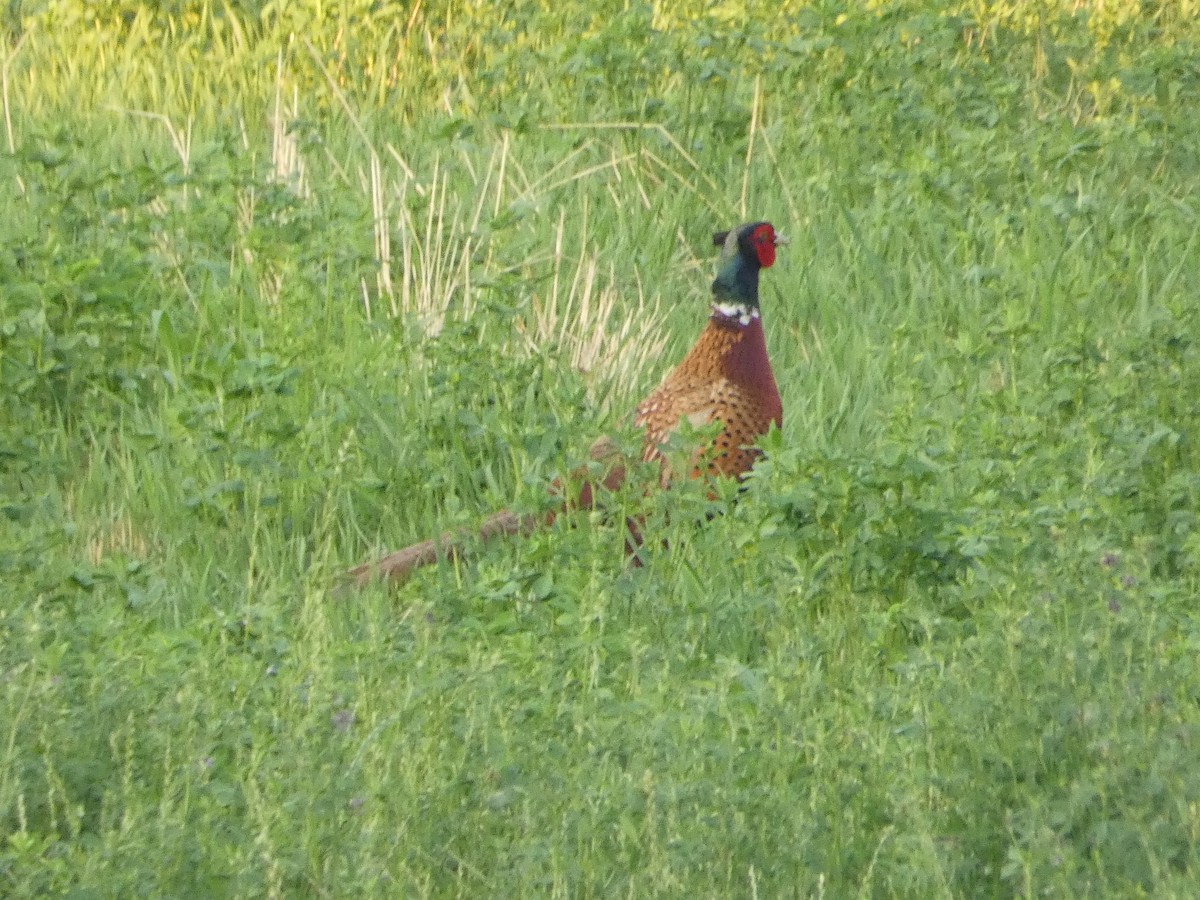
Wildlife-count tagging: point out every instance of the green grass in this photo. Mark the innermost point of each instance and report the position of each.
(284, 285)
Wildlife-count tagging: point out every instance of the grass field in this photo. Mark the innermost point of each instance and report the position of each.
(286, 285)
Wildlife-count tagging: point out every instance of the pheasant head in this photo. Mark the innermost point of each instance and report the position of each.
(744, 252)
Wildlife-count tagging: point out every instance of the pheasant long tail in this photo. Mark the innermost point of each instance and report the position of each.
(397, 566)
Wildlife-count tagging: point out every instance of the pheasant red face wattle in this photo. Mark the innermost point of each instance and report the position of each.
(764, 240)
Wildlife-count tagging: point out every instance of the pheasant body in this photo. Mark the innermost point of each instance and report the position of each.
(726, 377)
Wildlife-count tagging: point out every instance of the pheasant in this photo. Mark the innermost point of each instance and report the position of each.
(726, 377)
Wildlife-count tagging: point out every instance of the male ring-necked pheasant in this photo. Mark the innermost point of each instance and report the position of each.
(726, 377)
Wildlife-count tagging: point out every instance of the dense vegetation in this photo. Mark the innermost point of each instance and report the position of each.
(286, 284)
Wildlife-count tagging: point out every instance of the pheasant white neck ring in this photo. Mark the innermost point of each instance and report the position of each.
(743, 312)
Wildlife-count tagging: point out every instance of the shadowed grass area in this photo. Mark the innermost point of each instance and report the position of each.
(283, 285)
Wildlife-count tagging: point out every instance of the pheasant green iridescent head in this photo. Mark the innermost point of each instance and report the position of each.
(744, 251)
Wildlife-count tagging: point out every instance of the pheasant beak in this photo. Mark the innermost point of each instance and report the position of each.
(781, 241)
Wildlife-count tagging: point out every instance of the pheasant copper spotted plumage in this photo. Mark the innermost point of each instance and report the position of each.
(726, 377)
